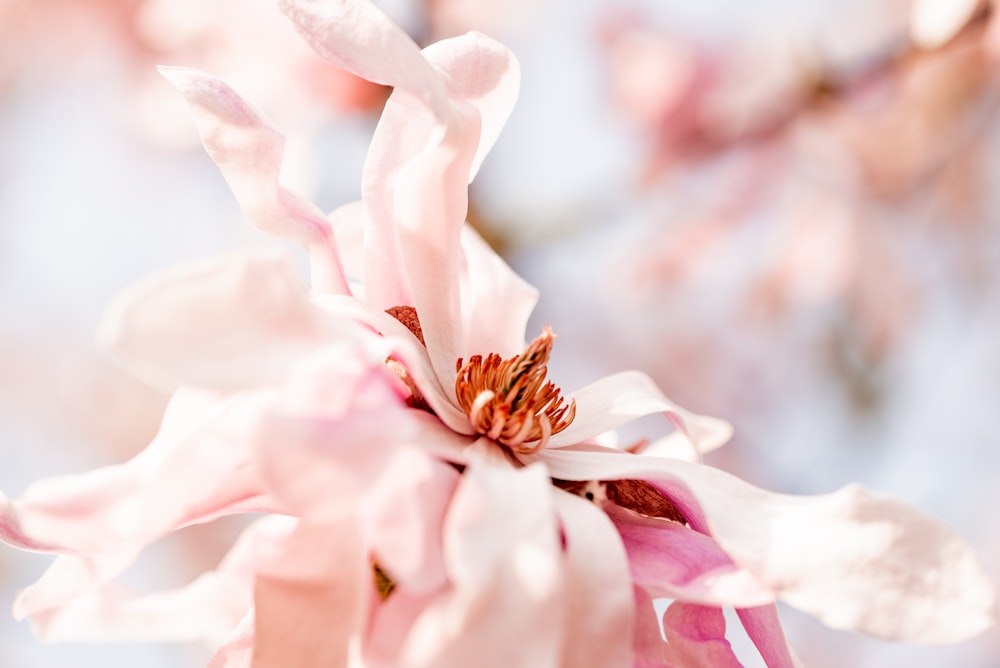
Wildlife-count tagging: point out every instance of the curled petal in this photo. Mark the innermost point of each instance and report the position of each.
(206, 609)
(623, 397)
(853, 559)
(430, 204)
(483, 73)
(414, 189)
(359, 37)
(230, 322)
(249, 153)
(99, 521)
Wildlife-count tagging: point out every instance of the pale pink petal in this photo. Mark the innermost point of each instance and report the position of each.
(358, 36)
(348, 222)
(405, 129)
(414, 188)
(402, 345)
(764, 629)
(853, 559)
(597, 588)
(207, 608)
(647, 641)
(233, 321)
(249, 153)
(431, 200)
(312, 601)
(696, 637)
(671, 560)
(237, 650)
(503, 557)
(496, 302)
(484, 73)
(615, 400)
(391, 623)
(101, 520)
(316, 466)
(403, 514)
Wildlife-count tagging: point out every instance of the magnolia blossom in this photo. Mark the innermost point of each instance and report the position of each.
(430, 497)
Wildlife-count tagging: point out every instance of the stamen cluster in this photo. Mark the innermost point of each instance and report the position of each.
(510, 400)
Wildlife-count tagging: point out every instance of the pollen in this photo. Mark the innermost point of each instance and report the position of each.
(510, 401)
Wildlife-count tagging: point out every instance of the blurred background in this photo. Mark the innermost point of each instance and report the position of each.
(787, 213)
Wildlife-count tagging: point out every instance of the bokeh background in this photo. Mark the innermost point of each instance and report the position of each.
(787, 212)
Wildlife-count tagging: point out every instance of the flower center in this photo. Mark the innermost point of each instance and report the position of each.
(510, 400)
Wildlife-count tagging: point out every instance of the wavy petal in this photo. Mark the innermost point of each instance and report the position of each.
(234, 321)
(414, 189)
(483, 73)
(431, 200)
(359, 37)
(249, 153)
(623, 397)
(99, 521)
(853, 559)
(207, 608)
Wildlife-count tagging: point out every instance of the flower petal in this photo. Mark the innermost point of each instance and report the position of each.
(206, 609)
(503, 557)
(764, 629)
(599, 605)
(670, 560)
(359, 37)
(490, 288)
(233, 321)
(696, 637)
(853, 559)
(484, 73)
(430, 204)
(100, 520)
(623, 397)
(403, 515)
(249, 153)
(414, 189)
(237, 650)
(312, 601)
(402, 345)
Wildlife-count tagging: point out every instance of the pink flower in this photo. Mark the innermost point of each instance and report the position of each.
(435, 500)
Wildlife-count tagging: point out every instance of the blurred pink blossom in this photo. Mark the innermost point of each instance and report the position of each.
(431, 498)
